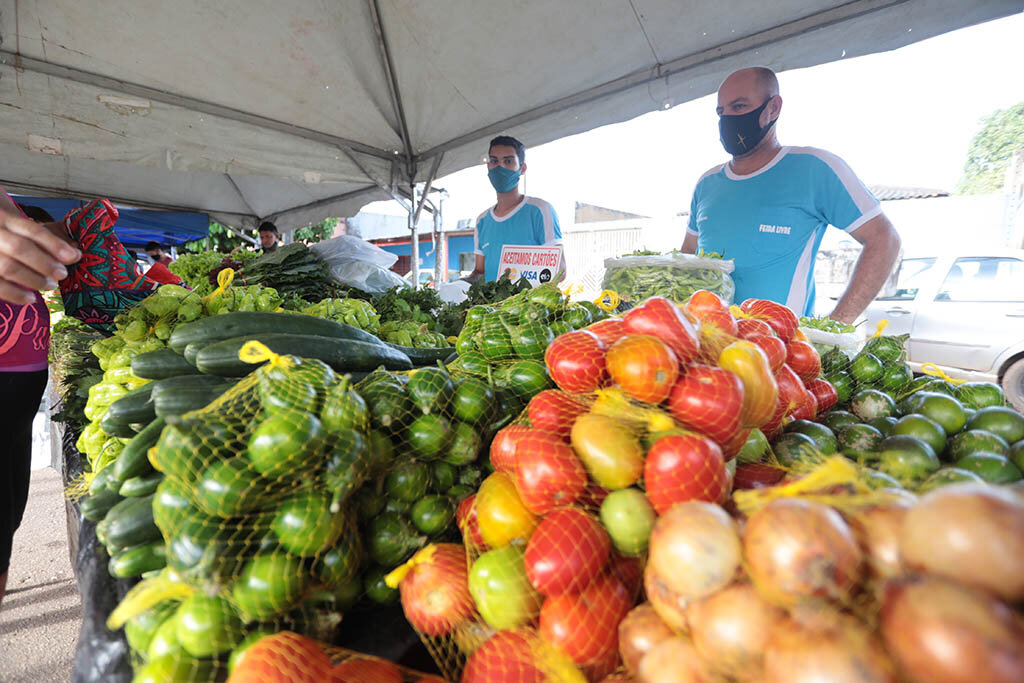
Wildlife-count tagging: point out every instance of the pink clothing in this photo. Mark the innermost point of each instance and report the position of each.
(24, 330)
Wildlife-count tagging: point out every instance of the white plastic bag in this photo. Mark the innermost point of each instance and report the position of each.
(453, 292)
(674, 276)
(346, 249)
(849, 343)
(367, 277)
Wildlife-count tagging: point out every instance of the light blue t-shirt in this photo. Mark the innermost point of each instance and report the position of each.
(533, 222)
(771, 222)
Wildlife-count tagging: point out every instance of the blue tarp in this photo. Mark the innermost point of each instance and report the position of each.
(456, 245)
(136, 227)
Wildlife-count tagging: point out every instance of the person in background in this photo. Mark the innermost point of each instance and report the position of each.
(28, 251)
(515, 218)
(769, 206)
(269, 236)
(156, 252)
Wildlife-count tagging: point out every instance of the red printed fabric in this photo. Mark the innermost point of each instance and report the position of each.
(24, 331)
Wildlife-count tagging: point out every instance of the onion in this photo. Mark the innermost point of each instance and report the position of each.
(829, 646)
(640, 631)
(673, 660)
(877, 530)
(799, 549)
(972, 533)
(942, 632)
(669, 606)
(730, 628)
(695, 549)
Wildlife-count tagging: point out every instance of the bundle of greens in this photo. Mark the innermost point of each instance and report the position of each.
(195, 269)
(422, 306)
(481, 293)
(290, 269)
(636, 277)
(826, 324)
(74, 368)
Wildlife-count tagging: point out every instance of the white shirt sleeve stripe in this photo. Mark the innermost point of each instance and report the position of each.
(549, 221)
(877, 211)
(858, 192)
(476, 235)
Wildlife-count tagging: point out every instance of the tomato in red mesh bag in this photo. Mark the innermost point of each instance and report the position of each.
(435, 591)
(366, 670)
(746, 360)
(778, 317)
(608, 330)
(772, 346)
(683, 467)
(709, 400)
(548, 473)
(660, 318)
(284, 657)
(824, 393)
(575, 361)
(553, 410)
(704, 303)
(643, 366)
(748, 328)
(792, 391)
(469, 524)
(803, 359)
(585, 625)
(568, 549)
(507, 657)
(503, 447)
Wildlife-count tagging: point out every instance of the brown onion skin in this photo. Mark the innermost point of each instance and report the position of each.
(799, 549)
(877, 530)
(669, 606)
(826, 647)
(700, 537)
(673, 660)
(971, 533)
(730, 629)
(939, 631)
(640, 631)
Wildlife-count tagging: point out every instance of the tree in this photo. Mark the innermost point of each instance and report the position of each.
(1002, 133)
(223, 240)
(316, 233)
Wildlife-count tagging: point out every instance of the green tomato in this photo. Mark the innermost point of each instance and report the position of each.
(501, 589)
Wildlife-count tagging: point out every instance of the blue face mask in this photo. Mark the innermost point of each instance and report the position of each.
(502, 179)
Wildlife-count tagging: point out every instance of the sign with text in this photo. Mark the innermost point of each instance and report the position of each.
(539, 265)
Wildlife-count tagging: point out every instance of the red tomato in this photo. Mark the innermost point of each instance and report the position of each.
(629, 571)
(469, 524)
(717, 330)
(643, 366)
(804, 360)
(575, 361)
(825, 394)
(435, 592)
(807, 409)
(604, 668)
(757, 476)
(282, 658)
(703, 302)
(585, 625)
(503, 447)
(660, 318)
(507, 657)
(773, 426)
(730, 449)
(592, 496)
(366, 670)
(684, 467)
(791, 389)
(548, 473)
(748, 327)
(608, 330)
(778, 317)
(709, 400)
(566, 551)
(772, 347)
(553, 410)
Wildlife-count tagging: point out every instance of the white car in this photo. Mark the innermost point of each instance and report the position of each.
(964, 313)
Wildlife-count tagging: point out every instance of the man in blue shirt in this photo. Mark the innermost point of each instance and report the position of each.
(515, 218)
(768, 208)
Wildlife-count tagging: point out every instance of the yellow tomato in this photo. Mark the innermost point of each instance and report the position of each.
(609, 450)
(500, 511)
(747, 361)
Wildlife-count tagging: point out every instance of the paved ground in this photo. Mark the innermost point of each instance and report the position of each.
(41, 615)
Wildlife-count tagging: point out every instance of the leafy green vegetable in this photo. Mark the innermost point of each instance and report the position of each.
(826, 324)
(673, 275)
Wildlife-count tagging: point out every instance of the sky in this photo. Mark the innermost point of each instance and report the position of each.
(904, 117)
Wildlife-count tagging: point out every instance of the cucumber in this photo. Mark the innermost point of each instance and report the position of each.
(116, 428)
(221, 358)
(138, 560)
(130, 523)
(190, 352)
(104, 481)
(179, 395)
(142, 485)
(161, 364)
(135, 406)
(132, 462)
(246, 323)
(95, 506)
(424, 357)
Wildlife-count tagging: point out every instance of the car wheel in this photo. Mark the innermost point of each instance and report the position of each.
(1013, 384)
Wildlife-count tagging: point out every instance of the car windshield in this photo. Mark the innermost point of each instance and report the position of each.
(999, 279)
(912, 271)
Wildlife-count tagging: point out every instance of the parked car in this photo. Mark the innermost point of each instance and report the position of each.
(964, 313)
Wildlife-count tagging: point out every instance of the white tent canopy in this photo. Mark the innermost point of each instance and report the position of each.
(292, 111)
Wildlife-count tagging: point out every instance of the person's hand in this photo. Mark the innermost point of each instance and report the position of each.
(31, 258)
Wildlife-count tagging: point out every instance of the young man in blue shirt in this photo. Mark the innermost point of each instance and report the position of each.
(769, 206)
(515, 218)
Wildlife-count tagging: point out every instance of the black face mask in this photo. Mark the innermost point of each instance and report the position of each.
(741, 133)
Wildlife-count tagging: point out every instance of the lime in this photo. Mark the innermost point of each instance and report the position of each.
(465, 445)
(945, 410)
(866, 368)
(577, 317)
(795, 447)
(430, 389)
(369, 503)
(531, 339)
(924, 428)
(340, 564)
(377, 589)
(408, 481)
(391, 539)
(754, 447)
(178, 666)
(399, 507)
(228, 488)
(381, 451)
(823, 437)
(290, 393)
(883, 424)
(165, 638)
(344, 409)
(835, 419)
(428, 435)
(869, 404)
(432, 514)
(460, 491)
(473, 401)
(907, 459)
(268, 585)
(896, 378)
(1006, 422)
(304, 524)
(442, 476)
(560, 327)
(286, 442)
(880, 480)
(473, 363)
(939, 386)
(946, 476)
(388, 403)
(860, 437)
(976, 440)
(526, 378)
(843, 384)
(534, 312)
(207, 626)
(979, 395)
(140, 629)
(834, 360)
(886, 349)
(494, 340)
(993, 468)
